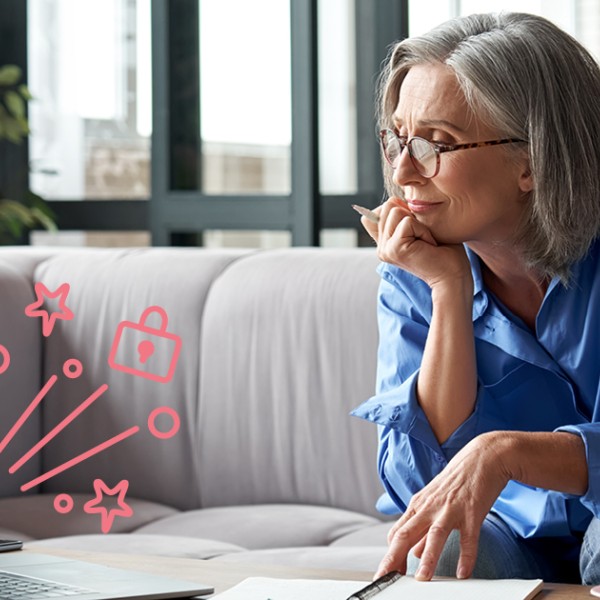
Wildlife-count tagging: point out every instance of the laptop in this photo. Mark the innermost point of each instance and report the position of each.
(29, 575)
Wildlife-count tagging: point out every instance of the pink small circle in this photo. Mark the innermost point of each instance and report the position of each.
(72, 368)
(63, 503)
(163, 435)
(5, 359)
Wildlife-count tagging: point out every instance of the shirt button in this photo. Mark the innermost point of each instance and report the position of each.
(440, 458)
(395, 414)
(373, 414)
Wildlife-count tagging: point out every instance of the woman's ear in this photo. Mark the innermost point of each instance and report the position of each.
(526, 178)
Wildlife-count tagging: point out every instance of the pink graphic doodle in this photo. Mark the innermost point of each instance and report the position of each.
(163, 435)
(63, 504)
(108, 514)
(27, 413)
(5, 359)
(80, 458)
(52, 434)
(49, 317)
(149, 342)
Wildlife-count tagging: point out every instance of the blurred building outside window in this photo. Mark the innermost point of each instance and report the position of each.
(90, 73)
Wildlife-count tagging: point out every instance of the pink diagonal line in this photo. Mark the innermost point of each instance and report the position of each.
(52, 434)
(80, 458)
(27, 413)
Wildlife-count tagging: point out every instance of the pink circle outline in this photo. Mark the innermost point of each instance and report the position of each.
(63, 504)
(163, 435)
(76, 372)
(5, 359)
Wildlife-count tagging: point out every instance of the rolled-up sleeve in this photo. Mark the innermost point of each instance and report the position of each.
(409, 454)
(590, 434)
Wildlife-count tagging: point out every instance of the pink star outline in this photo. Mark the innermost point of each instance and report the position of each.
(109, 514)
(49, 317)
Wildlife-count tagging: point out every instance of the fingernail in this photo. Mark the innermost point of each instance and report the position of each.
(462, 573)
(422, 573)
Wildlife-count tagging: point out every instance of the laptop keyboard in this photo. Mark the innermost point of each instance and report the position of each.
(13, 587)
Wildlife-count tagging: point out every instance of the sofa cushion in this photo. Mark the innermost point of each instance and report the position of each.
(288, 350)
(35, 516)
(264, 526)
(107, 288)
(131, 543)
(376, 535)
(20, 375)
(354, 558)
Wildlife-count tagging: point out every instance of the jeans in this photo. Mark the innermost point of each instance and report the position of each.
(589, 559)
(503, 555)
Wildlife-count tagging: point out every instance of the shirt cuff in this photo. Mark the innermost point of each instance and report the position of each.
(398, 409)
(590, 434)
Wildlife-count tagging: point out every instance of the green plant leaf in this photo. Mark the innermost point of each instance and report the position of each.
(15, 104)
(12, 129)
(24, 91)
(11, 209)
(43, 219)
(9, 74)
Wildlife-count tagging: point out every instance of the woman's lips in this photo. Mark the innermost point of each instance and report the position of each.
(421, 206)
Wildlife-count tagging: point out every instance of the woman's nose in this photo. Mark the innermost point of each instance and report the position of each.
(404, 171)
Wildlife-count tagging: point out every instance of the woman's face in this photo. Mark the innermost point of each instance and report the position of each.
(479, 194)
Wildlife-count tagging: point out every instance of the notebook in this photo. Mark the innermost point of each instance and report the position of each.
(261, 588)
(30, 575)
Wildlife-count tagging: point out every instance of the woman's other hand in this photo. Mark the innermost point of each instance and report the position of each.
(459, 498)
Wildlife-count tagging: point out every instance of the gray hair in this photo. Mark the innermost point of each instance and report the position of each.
(530, 80)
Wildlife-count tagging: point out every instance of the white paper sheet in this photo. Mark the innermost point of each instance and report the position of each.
(263, 588)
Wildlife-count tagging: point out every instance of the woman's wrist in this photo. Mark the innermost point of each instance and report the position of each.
(549, 460)
(453, 292)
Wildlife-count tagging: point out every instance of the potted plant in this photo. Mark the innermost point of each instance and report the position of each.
(18, 214)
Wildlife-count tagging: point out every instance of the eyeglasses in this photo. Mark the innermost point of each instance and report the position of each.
(425, 155)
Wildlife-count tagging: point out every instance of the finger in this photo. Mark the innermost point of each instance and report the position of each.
(418, 549)
(403, 540)
(411, 228)
(371, 228)
(389, 206)
(400, 204)
(469, 542)
(436, 539)
(408, 514)
(389, 563)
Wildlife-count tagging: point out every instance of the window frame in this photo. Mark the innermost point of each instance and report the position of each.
(178, 217)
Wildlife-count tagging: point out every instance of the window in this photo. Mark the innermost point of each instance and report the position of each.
(89, 69)
(260, 113)
(245, 102)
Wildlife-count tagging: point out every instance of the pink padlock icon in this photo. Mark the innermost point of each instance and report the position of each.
(148, 352)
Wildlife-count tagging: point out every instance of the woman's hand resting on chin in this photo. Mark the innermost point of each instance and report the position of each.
(405, 242)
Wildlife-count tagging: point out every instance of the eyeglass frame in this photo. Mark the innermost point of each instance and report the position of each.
(438, 148)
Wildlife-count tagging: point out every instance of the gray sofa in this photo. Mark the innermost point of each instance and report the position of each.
(244, 452)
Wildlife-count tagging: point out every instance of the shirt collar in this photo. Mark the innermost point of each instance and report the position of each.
(480, 297)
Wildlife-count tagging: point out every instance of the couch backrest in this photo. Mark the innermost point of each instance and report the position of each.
(277, 348)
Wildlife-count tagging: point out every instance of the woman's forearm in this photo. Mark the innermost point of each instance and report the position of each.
(548, 460)
(447, 384)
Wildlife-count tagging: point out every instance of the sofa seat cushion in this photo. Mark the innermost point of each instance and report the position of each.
(355, 558)
(35, 517)
(10, 534)
(375, 535)
(264, 525)
(132, 543)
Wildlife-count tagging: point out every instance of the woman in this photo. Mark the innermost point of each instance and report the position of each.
(488, 392)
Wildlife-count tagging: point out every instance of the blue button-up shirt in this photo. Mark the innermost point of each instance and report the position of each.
(547, 380)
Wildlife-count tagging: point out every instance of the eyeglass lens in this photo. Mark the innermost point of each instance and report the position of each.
(422, 153)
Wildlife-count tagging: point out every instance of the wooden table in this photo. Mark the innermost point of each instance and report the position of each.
(223, 575)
